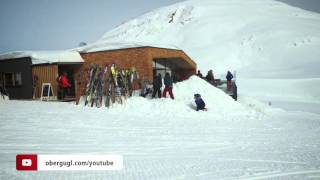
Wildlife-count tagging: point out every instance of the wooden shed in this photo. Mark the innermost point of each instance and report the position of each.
(49, 73)
(16, 77)
(23, 73)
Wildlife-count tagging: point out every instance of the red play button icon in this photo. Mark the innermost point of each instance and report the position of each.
(26, 162)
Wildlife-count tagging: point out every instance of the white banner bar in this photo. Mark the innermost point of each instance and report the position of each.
(79, 162)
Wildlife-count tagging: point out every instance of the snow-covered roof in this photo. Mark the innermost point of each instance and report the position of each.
(43, 57)
(73, 55)
(106, 46)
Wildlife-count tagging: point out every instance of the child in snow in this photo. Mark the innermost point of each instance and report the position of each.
(199, 102)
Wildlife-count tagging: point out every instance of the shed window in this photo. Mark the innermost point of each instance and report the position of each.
(18, 79)
(12, 79)
(1, 80)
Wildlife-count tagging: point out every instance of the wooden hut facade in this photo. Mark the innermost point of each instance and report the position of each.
(147, 61)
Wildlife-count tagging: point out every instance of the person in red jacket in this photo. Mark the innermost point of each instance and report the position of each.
(64, 84)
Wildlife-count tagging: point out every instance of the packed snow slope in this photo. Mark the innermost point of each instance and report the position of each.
(164, 138)
(261, 38)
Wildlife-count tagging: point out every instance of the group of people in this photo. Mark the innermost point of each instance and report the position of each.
(64, 86)
(210, 78)
(157, 85)
(168, 83)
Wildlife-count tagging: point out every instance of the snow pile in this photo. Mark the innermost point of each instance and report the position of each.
(43, 57)
(217, 102)
(213, 96)
(262, 38)
(3, 98)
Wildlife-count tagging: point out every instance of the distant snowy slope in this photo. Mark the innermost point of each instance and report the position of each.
(261, 37)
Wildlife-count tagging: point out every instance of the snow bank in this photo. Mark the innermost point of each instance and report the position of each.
(42, 57)
(299, 90)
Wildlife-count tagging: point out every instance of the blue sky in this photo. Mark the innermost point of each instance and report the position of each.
(311, 5)
(61, 24)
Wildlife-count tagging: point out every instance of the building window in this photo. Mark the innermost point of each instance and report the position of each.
(18, 79)
(8, 80)
(12, 79)
(1, 80)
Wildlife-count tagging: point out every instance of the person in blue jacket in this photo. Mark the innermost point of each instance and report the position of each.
(229, 78)
(201, 105)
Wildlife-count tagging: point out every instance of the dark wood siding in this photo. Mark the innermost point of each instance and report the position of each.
(23, 66)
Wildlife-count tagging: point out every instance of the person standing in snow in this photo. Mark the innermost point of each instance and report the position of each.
(210, 77)
(64, 84)
(3, 92)
(229, 78)
(175, 77)
(35, 85)
(201, 105)
(135, 81)
(157, 85)
(199, 74)
(168, 85)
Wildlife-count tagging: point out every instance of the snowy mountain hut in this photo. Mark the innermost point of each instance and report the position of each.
(147, 59)
(23, 73)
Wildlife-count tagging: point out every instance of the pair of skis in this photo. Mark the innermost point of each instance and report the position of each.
(118, 84)
(90, 84)
(108, 85)
(99, 87)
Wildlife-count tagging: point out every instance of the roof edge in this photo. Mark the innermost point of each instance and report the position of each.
(140, 47)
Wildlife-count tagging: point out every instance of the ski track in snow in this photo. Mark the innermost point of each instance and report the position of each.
(167, 145)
